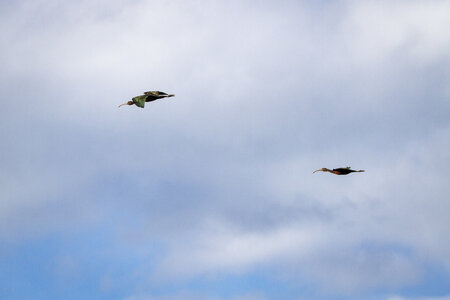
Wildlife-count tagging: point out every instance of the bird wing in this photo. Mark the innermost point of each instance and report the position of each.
(342, 170)
(139, 101)
(154, 93)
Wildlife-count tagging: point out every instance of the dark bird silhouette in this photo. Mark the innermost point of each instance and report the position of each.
(147, 97)
(339, 171)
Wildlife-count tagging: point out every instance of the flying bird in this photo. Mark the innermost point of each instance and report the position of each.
(339, 171)
(147, 97)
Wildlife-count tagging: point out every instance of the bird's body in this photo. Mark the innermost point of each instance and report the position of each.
(147, 97)
(339, 171)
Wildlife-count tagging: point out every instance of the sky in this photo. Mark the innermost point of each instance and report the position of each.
(210, 194)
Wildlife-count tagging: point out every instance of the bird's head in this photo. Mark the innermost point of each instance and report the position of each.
(127, 103)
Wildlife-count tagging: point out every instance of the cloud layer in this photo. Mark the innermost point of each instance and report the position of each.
(217, 182)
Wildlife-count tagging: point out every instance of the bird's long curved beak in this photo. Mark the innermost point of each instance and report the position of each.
(170, 95)
(317, 171)
(126, 103)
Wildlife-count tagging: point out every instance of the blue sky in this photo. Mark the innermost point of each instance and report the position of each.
(210, 194)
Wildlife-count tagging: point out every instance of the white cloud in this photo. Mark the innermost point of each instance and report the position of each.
(377, 31)
(222, 175)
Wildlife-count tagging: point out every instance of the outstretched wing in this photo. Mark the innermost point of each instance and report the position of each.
(155, 93)
(343, 171)
(139, 100)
